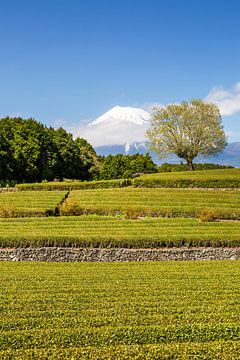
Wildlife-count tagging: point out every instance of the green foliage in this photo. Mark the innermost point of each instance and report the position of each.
(166, 167)
(138, 202)
(29, 151)
(219, 178)
(208, 215)
(187, 130)
(99, 231)
(30, 204)
(158, 310)
(74, 185)
(124, 166)
(90, 160)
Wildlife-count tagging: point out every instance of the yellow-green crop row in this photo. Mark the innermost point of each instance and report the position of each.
(217, 178)
(100, 231)
(168, 310)
(31, 203)
(135, 202)
(74, 185)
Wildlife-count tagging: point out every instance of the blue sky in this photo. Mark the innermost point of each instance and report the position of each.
(68, 61)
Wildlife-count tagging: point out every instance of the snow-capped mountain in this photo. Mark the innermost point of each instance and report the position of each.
(121, 130)
(118, 126)
(123, 113)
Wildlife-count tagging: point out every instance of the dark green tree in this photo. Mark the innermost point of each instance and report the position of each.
(120, 166)
(30, 151)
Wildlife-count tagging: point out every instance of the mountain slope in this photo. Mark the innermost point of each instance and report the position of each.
(118, 126)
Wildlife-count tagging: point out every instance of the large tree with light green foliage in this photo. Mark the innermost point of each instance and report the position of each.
(187, 130)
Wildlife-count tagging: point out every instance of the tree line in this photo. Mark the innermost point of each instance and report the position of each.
(33, 152)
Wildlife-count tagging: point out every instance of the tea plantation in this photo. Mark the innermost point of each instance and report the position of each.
(173, 310)
(150, 310)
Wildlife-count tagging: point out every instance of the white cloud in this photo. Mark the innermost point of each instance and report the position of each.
(112, 133)
(228, 100)
(70, 127)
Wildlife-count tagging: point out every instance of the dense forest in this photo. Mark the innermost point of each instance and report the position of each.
(33, 152)
(30, 151)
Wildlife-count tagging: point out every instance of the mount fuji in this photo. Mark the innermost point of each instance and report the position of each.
(121, 130)
(118, 126)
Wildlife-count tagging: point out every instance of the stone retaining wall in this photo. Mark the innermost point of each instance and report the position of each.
(119, 255)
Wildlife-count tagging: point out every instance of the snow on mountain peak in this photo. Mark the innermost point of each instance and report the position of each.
(120, 125)
(124, 113)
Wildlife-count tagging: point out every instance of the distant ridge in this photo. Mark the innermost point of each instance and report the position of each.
(230, 156)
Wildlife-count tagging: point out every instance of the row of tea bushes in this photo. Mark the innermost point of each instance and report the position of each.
(140, 202)
(158, 310)
(111, 232)
(217, 178)
(75, 185)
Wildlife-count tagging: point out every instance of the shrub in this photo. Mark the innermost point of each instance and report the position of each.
(207, 215)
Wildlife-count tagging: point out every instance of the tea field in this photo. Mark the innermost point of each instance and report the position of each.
(135, 202)
(31, 203)
(217, 178)
(109, 231)
(168, 310)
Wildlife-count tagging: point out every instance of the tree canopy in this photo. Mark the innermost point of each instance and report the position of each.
(124, 166)
(187, 130)
(30, 151)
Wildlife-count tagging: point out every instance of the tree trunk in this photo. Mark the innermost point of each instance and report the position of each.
(190, 165)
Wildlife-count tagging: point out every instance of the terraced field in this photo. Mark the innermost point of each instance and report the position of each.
(31, 203)
(186, 310)
(220, 178)
(217, 178)
(135, 202)
(107, 231)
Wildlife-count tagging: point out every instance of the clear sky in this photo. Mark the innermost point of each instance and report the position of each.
(68, 61)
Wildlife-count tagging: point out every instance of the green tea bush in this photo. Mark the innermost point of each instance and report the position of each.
(30, 204)
(219, 178)
(139, 202)
(114, 232)
(152, 310)
(75, 185)
(208, 215)
(166, 167)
